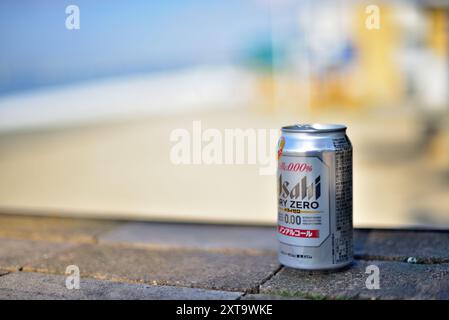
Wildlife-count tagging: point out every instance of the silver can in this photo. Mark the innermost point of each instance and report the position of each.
(315, 197)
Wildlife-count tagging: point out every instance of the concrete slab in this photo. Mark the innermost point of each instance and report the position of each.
(227, 270)
(421, 246)
(53, 229)
(193, 236)
(14, 253)
(37, 286)
(397, 280)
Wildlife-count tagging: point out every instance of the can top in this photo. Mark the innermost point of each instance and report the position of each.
(314, 128)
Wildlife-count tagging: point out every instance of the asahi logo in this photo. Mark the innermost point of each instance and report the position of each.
(302, 195)
(301, 190)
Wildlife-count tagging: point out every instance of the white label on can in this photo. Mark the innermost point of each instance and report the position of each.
(303, 208)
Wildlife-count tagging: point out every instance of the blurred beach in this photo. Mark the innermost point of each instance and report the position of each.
(120, 168)
(86, 114)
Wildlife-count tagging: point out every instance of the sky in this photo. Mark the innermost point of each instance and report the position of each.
(121, 37)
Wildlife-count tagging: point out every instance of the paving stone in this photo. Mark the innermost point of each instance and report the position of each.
(15, 253)
(398, 280)
(193, 236)
(259, 296)
(53, 229)
(230, 270)
(36, 286)
(425, 247)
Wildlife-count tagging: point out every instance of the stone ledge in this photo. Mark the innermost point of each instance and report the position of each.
(260, 296)
(231, 271)
(53, 229)
(193, 236)
(14, 254)
(37, 286)
(397, 281)
(223, 258)
(400, 245)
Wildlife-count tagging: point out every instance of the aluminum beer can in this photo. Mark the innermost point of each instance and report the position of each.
(314, 176)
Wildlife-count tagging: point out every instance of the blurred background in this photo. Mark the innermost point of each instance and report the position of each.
(86, 114)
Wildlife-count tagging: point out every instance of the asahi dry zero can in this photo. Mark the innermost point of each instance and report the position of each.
(315, 197)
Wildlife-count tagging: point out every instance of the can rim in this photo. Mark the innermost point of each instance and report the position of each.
(314, 128)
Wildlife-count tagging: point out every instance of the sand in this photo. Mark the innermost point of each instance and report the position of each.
(123, 170)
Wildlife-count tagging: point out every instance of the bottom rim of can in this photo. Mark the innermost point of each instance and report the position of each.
(333, 267)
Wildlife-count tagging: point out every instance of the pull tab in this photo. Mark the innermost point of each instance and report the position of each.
(305, 127)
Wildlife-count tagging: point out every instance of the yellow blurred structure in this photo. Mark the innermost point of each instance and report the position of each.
(372, 77)
(437, 35)
(378, 80)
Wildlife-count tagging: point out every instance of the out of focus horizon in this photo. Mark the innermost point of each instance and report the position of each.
(86, 115)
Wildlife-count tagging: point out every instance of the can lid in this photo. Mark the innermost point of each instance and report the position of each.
(314, 128)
